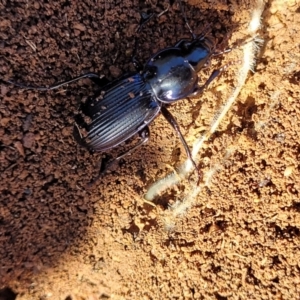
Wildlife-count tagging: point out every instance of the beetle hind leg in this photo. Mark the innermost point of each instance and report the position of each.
(92, 76)
(105, 166)
(144, 135)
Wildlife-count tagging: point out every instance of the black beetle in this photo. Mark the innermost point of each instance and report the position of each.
(126, 106)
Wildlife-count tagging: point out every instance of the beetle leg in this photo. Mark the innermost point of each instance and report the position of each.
(138, 66)
(183, 44)
(145, 18)
(175, 126)
(92, 76)
(199, 89)
(100, 80)
(144, 134)
(212, 77)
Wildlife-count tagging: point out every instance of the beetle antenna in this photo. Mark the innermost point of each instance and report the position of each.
(186, 21)
(237, 45)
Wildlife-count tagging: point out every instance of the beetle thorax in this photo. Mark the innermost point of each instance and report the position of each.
(170, 75)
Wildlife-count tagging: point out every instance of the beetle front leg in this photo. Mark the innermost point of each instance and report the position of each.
(175, 126)
(213, 76)
(145, 18)
(144, 134)
(186, 21)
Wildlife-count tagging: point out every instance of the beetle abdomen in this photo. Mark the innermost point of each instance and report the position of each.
(116, 112)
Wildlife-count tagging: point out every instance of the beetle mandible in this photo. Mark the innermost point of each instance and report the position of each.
(126, 106)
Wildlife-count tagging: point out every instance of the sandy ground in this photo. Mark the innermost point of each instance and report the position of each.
(239, 239)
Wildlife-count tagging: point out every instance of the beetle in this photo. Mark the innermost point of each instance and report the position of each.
(120, 109)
